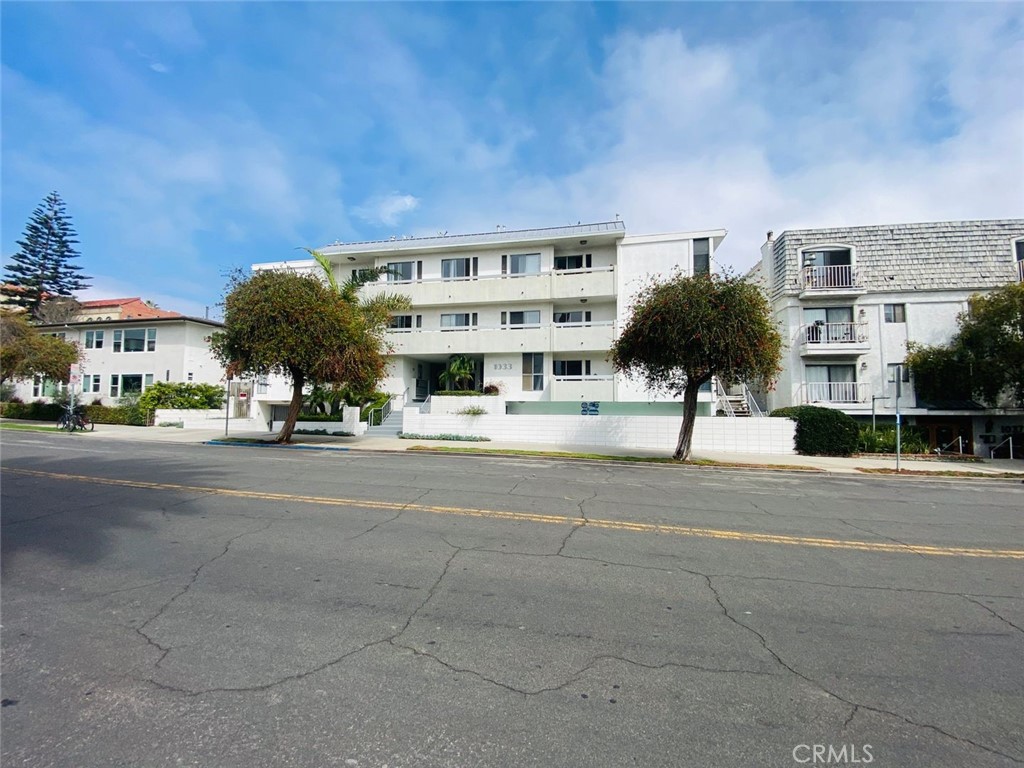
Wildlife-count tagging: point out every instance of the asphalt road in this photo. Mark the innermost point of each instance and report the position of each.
(169, 605)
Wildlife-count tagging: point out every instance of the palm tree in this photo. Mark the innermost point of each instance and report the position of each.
(460, 370)
(376, 310)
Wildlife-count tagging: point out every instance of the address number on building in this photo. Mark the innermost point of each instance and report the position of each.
(590, 409)
(503, 366)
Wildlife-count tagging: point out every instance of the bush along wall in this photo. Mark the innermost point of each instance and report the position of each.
(822, 431)
(37, 411)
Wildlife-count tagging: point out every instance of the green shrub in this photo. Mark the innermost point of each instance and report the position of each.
(378, 401)
(464, 393)
(130, 415)
(822, 431)
(445, 436)
(473, 410)
(36, 411)
(319, 417)
(321, 432)
(883, 440)
(182, 395)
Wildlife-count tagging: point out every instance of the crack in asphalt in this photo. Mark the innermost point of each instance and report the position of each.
(857, 705)
(576, 526)
(993, 612)
(140, 630)
(909, 547)
(391, 519)
(312, 670)
(857, 586)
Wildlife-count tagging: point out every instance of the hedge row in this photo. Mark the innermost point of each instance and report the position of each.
(320, 417)
(822, 431)
(98, 414)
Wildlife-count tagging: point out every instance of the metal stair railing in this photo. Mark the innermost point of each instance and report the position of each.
(993, 449)
(383, 410)
(722, 399)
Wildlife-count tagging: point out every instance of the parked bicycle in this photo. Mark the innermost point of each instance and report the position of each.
(75, 418)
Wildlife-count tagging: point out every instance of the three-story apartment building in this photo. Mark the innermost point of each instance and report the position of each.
(535, 310)
(850, 299)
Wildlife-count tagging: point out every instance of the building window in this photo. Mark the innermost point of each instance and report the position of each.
(571, 368)
(895, 313)
(94, 339)
(893, 368)
(702, 256)
(527, 318)
(43, 387)
(262, 384)
(135, 340)
(401, 271)
(1018, 252)
(521, 264)
(533, 372)
(129, 383)
(577, 261)
(90, 383)
(400, 323)
(452, 269)
(576, 317)
(458, 321)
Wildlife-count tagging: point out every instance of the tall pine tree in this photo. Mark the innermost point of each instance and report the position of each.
(42, 268)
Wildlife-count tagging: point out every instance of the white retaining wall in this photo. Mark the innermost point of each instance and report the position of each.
(204, 419)
(350, 423)
(449, 404)
(710, 433)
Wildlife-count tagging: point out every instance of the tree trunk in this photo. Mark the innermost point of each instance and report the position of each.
(298, 382)
(689, 414)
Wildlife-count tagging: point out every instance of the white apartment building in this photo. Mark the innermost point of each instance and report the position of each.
(848, 300)
(126, 355)
(535, 310)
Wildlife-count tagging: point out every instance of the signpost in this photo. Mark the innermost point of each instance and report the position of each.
(899, 391)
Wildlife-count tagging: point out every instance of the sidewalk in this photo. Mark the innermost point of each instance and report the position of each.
(832, 464)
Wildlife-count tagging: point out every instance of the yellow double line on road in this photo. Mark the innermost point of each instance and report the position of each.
(529, 517)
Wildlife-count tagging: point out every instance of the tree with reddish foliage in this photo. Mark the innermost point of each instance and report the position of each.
(685, 330)
(293, 324)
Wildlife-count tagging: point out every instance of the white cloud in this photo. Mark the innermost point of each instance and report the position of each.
(697, 137)
(386, 209)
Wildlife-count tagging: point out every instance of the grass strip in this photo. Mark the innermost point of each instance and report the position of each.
(29, 427)
(942, 473)
(605, 457)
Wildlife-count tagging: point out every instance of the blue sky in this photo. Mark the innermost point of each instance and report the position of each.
(187, 139)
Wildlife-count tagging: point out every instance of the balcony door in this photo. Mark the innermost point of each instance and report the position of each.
(829, 325)
(831, 383)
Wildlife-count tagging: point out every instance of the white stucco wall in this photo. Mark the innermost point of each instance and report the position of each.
(753, 435)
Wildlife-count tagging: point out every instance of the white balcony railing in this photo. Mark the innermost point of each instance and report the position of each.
(825, 278)
(834, 392)
(834, 333)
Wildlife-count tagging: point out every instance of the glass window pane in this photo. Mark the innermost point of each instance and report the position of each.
(135, 340)
(524, 263)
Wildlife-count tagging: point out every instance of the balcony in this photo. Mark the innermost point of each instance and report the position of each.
(503, 289)
(566, 337)
(594, 387)
(829, 281)
(832, 339)
(834, 392)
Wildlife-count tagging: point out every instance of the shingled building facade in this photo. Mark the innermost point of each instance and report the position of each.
(850, 299)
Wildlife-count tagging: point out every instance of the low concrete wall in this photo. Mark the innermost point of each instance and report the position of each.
(350, 423)
(447, 404)
(710, 433)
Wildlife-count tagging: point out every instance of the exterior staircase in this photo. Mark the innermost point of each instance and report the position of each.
(738, 405)
(734, 401)
(390, 427)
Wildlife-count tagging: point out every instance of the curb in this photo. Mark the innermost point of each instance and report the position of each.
(230, 444)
